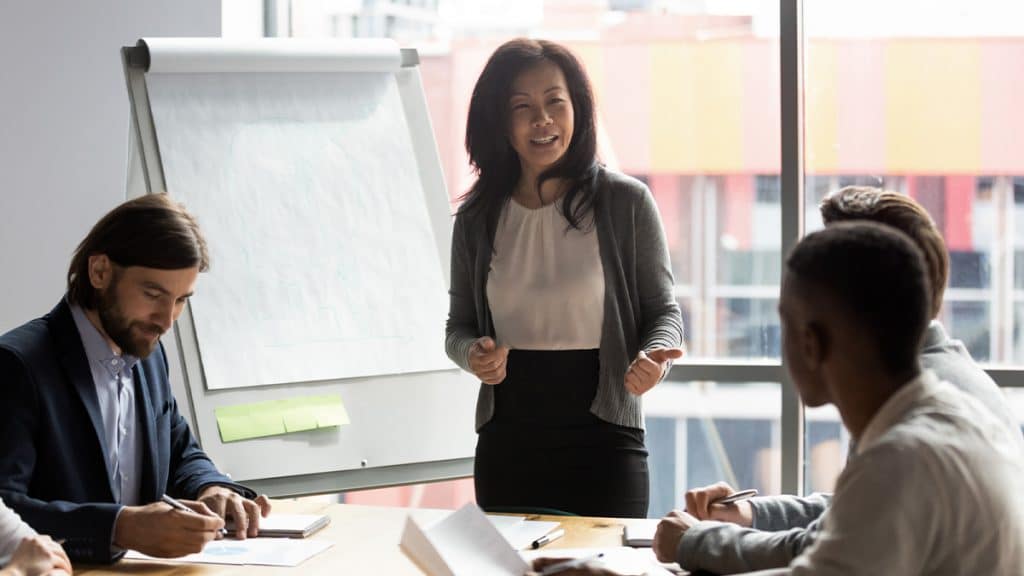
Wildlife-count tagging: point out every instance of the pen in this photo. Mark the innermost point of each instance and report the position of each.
(569, 564)
(549, 537)
(179, 506)
(736, 497)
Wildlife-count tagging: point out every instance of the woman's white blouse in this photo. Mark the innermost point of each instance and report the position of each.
(546, 283)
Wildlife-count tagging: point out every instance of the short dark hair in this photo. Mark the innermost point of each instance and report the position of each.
(900, 212)
(491, 154)
(150, 231)
(877, 275)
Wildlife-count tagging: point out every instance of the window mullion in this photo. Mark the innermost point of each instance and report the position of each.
(792, 118)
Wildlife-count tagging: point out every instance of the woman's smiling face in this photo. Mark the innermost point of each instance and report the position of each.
(541, 117)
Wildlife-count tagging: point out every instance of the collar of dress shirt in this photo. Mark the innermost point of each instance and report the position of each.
(935, 335)
(97, 350)
(896, 406)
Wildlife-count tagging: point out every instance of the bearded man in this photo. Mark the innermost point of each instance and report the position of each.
(90, 433)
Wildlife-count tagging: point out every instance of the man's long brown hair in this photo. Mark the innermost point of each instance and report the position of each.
(150, 231)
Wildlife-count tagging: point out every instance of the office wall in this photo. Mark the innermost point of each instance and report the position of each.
(64, 122)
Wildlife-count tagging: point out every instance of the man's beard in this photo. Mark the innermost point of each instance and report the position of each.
(119, 328)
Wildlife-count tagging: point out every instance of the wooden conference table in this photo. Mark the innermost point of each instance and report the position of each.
(365, 542)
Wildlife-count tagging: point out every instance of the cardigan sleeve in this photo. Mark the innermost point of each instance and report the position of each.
(661, 321)
(461, 327)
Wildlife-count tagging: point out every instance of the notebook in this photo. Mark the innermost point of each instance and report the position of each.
(640, 533)
(288, 525)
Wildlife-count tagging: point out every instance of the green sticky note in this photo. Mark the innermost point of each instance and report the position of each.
(245, 421)
(243, 426)
(332, 416)
(299, 419)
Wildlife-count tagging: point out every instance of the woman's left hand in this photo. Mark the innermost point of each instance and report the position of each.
(646, 370)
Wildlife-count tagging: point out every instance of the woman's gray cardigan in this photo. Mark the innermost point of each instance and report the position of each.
(640, 310)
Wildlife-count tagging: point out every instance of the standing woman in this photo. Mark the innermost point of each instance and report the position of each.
(561, 294)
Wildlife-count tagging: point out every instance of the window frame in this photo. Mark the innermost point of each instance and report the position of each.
(277, 22)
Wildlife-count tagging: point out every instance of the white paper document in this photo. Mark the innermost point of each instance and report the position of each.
(640, 533)
(254, 551)
(624, 561)
(520, 532)
(464, 543)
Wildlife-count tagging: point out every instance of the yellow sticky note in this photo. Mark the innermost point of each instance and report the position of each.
(245, 421)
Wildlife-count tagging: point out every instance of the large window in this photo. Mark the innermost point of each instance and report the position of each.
(921, 104)
(917, 99)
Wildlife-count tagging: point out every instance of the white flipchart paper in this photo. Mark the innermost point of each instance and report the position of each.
(306, 185)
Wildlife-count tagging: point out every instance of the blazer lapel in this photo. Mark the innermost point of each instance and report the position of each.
(76, 365)
(145, 419)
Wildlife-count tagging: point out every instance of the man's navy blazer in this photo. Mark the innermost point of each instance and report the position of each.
(52, 464)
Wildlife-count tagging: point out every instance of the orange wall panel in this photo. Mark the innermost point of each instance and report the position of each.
(762, 125)
(860, 98)
(1002, 108)
(624, 111)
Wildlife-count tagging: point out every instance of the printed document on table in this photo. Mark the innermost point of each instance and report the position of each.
(624, 561)
(254, 551)
(640, 533)
(519, 531)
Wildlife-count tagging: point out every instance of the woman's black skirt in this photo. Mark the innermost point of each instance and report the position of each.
(544, 449)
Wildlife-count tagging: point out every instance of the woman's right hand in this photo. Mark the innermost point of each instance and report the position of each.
(37, 556)
(487, 360)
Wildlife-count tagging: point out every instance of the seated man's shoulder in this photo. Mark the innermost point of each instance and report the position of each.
(951, 439)
(29, 344)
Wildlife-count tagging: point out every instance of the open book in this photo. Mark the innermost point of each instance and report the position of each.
(468, 543)
(464, 543)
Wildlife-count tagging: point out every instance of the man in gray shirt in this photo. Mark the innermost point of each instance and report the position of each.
(770, 532)
(933, 486)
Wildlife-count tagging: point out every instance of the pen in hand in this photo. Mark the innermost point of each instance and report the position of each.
(179, 506)
(736, 497)
(549, 537)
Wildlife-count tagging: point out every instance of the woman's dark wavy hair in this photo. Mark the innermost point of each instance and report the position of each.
(496, 163)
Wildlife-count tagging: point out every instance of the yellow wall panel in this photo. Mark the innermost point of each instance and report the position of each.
(673, 108)
(821, 148)
(717, 86)
(933, 106)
